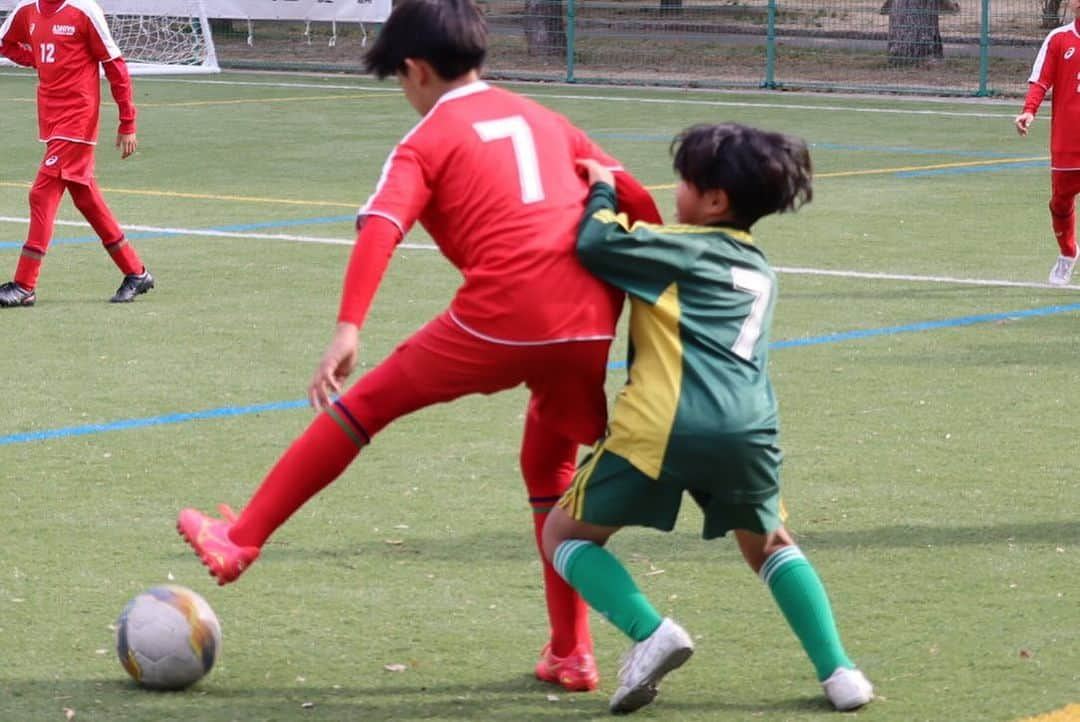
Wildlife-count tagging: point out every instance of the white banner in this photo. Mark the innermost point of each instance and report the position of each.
(361, 11)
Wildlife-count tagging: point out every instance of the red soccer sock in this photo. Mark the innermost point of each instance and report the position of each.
(91, 204)
(125, 257)
(567, 611)
(1065, 232)
(45, 197)
(28, 268)
(314, 460)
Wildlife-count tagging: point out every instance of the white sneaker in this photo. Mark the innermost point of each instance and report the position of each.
(1061, 273)
(848, 689)
(665, 650)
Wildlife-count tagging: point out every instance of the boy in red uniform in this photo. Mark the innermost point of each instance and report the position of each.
(1057, 66)
(67, 41)
(491, 176)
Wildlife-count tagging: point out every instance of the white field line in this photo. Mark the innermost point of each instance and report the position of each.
(626, 99)
(210, 233)
(907, 277)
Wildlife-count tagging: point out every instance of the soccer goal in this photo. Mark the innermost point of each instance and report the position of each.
(157, 37)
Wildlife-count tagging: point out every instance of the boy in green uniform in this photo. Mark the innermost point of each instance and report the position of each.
(698, 413)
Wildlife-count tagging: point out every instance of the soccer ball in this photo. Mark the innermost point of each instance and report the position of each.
(167, 637)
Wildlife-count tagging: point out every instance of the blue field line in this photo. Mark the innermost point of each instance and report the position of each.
(927, 326)
(238, 228)
(973, 169)
(218, 413)
(227, 411)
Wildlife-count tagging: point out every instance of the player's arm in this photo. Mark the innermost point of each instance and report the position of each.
(15, 41)
(1039, 83)
(17, 53)
(116, 71)
(375, 242)
(635, 258)
(633, 199)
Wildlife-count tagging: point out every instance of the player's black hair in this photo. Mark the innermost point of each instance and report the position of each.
(761, 172)
(449, 34)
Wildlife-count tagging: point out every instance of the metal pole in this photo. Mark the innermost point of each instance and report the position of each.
(570, 40)
(770, 47)
(984, 49)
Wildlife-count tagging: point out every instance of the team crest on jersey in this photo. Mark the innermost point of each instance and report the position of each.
(1069, 53)
(52, 160)
(63, 29)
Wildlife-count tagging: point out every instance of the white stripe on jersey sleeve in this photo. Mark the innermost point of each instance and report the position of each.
(6, 27)
(1040, 59)
(97, 17)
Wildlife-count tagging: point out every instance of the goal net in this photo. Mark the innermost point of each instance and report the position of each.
(157, 37)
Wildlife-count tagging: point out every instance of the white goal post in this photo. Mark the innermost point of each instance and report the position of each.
(157, 37)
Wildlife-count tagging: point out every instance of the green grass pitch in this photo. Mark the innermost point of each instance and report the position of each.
(928, 425)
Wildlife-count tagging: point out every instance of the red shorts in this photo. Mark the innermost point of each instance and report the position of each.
(68, 160)
(442, 362)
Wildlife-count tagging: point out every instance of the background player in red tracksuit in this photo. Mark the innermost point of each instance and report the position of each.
(491, 176)
(1057, 66)
(67, 41)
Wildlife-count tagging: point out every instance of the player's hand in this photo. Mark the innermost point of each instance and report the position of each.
(337, 363)
(595, 172)
(1023, 122)
(127, 143)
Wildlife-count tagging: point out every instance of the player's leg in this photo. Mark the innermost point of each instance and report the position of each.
(607, 493)
(801, 596)
(45, 195)
(436, 364)
(547, 465)
(1064, 186)
(87, 197)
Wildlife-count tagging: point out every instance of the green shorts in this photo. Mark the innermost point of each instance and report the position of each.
(610, 491)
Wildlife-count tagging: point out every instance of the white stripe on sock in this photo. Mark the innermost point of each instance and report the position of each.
(777, 560)
(564, 552)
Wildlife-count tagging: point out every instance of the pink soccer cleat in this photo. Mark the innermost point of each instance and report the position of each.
(209, 537)
(576, 672)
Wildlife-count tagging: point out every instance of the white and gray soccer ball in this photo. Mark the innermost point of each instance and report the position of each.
(167, 638)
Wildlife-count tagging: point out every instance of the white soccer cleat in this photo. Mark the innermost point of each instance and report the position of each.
(665, 650)
(848, 689)
(1062, 272)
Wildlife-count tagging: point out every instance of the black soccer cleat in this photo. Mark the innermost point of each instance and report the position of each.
(12, 294)
(133, 285)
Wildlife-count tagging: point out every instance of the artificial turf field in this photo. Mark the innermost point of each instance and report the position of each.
(926, 376)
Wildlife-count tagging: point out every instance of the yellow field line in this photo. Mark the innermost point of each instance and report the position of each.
(288, 99)
(1068, 713)
(936, 166)
(206, 196)
(899, 169)
(665, 186)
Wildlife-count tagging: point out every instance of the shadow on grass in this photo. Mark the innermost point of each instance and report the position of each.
(685, 545)
(511, 699)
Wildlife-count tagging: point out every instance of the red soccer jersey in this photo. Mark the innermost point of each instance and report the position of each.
(1057, 66)
(490, 175)
(68, 48)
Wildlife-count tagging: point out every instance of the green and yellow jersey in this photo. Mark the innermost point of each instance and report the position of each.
(698, 408)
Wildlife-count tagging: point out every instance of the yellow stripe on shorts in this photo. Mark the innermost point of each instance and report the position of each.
(574, 498)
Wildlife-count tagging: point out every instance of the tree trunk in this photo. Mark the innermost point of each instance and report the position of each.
(1051, 14)
(914, 32)
(545, 29)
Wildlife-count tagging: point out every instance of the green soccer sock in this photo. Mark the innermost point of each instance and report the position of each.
(801, 597)
(604, 583)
